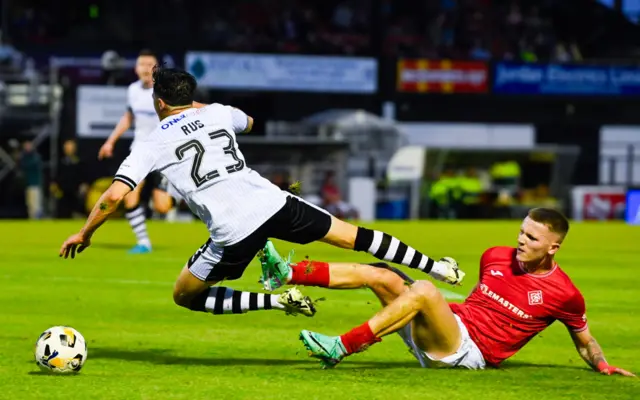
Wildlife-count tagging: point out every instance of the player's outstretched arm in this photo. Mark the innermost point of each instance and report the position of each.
(106, 151)
(592, 354)
(105, 206)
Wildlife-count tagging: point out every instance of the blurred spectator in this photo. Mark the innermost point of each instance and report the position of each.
(31, 170)
(564, 53)
(561, 54)
(479, 51)
(438, 197)
(445, 194)
(70, 186)
(332, 200)
(9, 57)
(514, 17)
(527, 52)
(539, 197)
(343, 16)
(281, 180)
(472, 188)
(506, 180)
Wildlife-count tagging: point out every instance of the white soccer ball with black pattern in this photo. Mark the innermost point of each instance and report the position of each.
(61, 349)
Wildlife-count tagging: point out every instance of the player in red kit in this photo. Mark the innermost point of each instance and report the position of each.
(520, 292)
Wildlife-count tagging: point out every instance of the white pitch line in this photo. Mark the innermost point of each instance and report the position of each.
(449, 295)
(96, 280)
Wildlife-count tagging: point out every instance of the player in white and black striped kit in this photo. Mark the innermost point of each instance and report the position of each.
(140, 113)
(196, 149)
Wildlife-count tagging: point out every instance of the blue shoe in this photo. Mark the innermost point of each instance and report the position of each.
(140, 249)
(328, 349)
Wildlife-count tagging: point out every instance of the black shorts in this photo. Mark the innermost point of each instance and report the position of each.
(297, 222)
(156, 180)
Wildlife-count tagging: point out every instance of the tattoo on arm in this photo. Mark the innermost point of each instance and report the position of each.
(99, 214)
(592, 353)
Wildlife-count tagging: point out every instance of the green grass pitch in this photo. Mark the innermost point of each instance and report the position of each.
(142, 346)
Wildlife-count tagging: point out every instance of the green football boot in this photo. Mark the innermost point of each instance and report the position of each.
(328, 349)
(276, 271)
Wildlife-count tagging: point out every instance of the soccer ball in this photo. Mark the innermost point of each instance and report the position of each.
(61, 349)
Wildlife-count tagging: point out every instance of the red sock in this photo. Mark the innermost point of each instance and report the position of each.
(310, 273)
(359, 338)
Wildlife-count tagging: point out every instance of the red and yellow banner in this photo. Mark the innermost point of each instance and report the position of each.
(442, 76)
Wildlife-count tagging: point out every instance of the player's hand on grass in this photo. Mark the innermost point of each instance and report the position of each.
(607, 369)
(75, 243)
(106, 151)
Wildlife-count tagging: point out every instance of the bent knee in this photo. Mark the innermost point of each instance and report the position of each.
(189, 291)
(181, 298)
(425, 290)
(162, 207)
(384, 278)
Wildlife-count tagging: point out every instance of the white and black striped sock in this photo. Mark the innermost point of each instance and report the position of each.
(138, 221)
(222, 300)
(388, 248)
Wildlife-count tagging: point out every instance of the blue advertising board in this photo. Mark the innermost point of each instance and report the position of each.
(632, 215)
(276, 72)
(561, 79)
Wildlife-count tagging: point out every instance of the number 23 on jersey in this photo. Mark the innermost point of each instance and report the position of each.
(195, 145)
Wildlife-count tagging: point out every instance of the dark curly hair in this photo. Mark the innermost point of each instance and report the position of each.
(174, 86)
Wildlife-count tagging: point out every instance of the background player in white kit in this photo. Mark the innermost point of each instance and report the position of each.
(141, 113)
(196, 149)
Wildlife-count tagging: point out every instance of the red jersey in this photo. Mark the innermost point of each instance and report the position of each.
(509, 306)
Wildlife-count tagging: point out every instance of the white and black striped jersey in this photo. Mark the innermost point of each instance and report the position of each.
(140, 104)
(198, 153)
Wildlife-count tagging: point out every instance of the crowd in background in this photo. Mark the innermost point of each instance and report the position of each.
(474, 29)
(459, 29)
